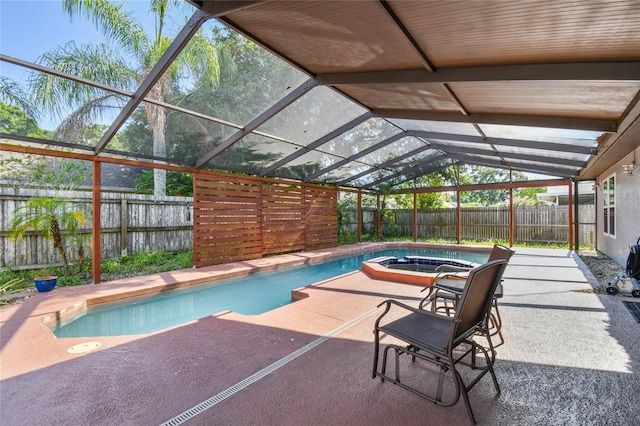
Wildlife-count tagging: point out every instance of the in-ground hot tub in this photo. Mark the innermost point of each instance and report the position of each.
(416, 270)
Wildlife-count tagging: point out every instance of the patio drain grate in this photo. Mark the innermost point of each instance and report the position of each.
(205, 405)
(634, 308)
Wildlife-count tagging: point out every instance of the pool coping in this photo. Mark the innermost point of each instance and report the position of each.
(148, 285)
(132, 287)
(376, 268)
(380, 272)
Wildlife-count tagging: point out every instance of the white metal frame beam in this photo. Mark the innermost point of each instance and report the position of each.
(513, 155)
(519, 143)
(475, 161)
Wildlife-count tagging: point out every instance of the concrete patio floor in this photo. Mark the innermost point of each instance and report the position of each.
(571, 357)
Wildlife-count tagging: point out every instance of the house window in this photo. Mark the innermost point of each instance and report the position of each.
(609, 201)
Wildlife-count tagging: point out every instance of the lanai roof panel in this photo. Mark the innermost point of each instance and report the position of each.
(306, 164)
(598, 100)
(462, 33)
(344, 172)
(312, 116)
(360, 138)
(329, 36)
(412, 96)
(396, 149)
(241, 93)
(251, 154)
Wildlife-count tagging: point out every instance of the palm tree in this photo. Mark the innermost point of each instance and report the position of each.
(46, 214)
(11, 93)
(124, 63)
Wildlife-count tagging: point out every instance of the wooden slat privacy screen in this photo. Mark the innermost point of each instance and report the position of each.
(240, 218)
(322, 219)
(283, 218)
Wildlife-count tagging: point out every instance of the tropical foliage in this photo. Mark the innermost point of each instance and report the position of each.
(13, 94)
(15, 121)
(43, 172)
(123, 63)
(8, 288)
(179, 184)
(47, 215)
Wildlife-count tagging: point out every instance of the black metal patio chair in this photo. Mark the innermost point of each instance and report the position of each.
(445, 341)
(449, 283)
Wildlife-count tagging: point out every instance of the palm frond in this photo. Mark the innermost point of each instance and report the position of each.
(74, 219)
(114, 21)
(33, 215)
(161, 8)
(70, 129)
(201, 57)
(7, 289)
(12, 93)
(93, 62)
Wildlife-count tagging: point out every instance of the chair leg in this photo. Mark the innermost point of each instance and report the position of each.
(490, 359)
(376, 351)
(465, 396)
(443, 371)
(496, 321)
(464, 389)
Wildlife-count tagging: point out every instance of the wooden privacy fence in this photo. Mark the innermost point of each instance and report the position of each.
(548, 224)
(238, 218)
(130, 223)
(241, 218)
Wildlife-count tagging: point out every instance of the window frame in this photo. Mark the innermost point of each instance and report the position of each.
(609, 206)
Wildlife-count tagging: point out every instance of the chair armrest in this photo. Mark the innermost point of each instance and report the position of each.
(446, 288)
(391, 302)
(448, 275)
(451, 268)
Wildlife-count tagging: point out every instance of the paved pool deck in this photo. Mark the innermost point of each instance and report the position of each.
(571, 356)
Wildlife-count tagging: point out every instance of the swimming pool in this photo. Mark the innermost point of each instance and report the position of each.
(249, 295)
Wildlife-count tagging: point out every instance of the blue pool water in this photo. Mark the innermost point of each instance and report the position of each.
(249, 295)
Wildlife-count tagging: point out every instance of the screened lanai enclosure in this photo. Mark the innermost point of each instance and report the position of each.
(275, 106)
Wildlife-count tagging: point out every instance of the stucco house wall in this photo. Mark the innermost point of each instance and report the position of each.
(627, 210)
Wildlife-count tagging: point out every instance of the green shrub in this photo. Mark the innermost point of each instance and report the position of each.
(10, 287)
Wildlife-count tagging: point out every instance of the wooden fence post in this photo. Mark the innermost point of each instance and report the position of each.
(458, 218)
(378, 218)
(415, 217)
(359, 214)
(569, 206)
(95, 221)
(124, 220)
(511, 218)
(576, 207)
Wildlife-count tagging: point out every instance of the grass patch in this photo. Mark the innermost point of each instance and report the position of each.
(344, 238)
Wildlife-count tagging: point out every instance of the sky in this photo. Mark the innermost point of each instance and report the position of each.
(30, 28)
